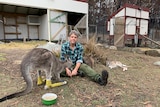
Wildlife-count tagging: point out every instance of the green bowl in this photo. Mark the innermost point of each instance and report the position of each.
(49, 99)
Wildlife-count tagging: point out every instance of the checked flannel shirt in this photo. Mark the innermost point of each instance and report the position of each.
(75, 55)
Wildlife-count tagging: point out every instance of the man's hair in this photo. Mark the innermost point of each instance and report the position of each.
(74, 32)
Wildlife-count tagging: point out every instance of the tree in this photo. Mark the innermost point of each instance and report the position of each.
(98, 9)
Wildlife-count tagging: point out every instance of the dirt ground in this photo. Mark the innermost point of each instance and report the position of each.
(136, 87)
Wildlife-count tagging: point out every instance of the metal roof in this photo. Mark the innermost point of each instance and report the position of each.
(21, 10)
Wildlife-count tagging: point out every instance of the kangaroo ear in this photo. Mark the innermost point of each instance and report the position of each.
(66, 57)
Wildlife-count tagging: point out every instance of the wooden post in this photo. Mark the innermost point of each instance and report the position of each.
(150, 40)
(58, 32)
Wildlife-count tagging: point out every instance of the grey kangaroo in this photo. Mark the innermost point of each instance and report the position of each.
(39, 59)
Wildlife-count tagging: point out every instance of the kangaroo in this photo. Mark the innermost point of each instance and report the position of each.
(114, 64)
(89, 61)
(39, 59)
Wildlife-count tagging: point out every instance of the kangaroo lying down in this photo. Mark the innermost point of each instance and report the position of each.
(114, 64)
(36, 60)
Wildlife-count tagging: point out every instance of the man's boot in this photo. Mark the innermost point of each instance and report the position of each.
(103, 80)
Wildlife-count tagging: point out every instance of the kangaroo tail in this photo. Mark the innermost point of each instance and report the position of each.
(12, 96)
(18, 94)
(29, 82)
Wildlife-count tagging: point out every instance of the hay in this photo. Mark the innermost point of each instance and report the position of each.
(91, 49)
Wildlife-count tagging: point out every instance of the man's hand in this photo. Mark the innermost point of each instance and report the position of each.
(74, 72)
(68, 72)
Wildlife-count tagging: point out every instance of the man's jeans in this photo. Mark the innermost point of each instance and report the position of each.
(87, 71)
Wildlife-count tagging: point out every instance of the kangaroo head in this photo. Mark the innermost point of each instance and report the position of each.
(107, 63)
(68, 61)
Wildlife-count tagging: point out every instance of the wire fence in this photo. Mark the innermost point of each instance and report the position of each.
(100, 32)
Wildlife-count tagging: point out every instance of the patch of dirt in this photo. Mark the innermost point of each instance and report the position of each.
(136, 87)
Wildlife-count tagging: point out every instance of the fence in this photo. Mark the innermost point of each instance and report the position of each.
(100, 32)
(154, 34)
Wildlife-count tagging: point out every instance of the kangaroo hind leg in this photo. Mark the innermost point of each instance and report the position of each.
(57, 76)
(48, 78)
(40, 80)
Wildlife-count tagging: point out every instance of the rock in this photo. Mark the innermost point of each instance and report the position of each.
(155, 53)
(157, 63)
(1, 42)
(113, 47)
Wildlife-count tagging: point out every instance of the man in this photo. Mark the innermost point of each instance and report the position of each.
(75, 52)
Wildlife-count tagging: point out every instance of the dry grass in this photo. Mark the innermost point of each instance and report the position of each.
(2, 57)
(92, 49)
(136, 87)
(21, 45)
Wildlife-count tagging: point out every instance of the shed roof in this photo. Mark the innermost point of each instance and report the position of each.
(130, 6)
(21, 10)
(77, 6)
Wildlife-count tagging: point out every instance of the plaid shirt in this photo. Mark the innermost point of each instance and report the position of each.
(75, 55)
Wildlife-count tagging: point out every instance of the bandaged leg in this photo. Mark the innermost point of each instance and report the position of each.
(40, 80)
(48, 78)
(58, 84)
(48, 84)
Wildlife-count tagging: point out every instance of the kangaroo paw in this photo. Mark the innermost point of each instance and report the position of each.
(40, 81)
(48, 84)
